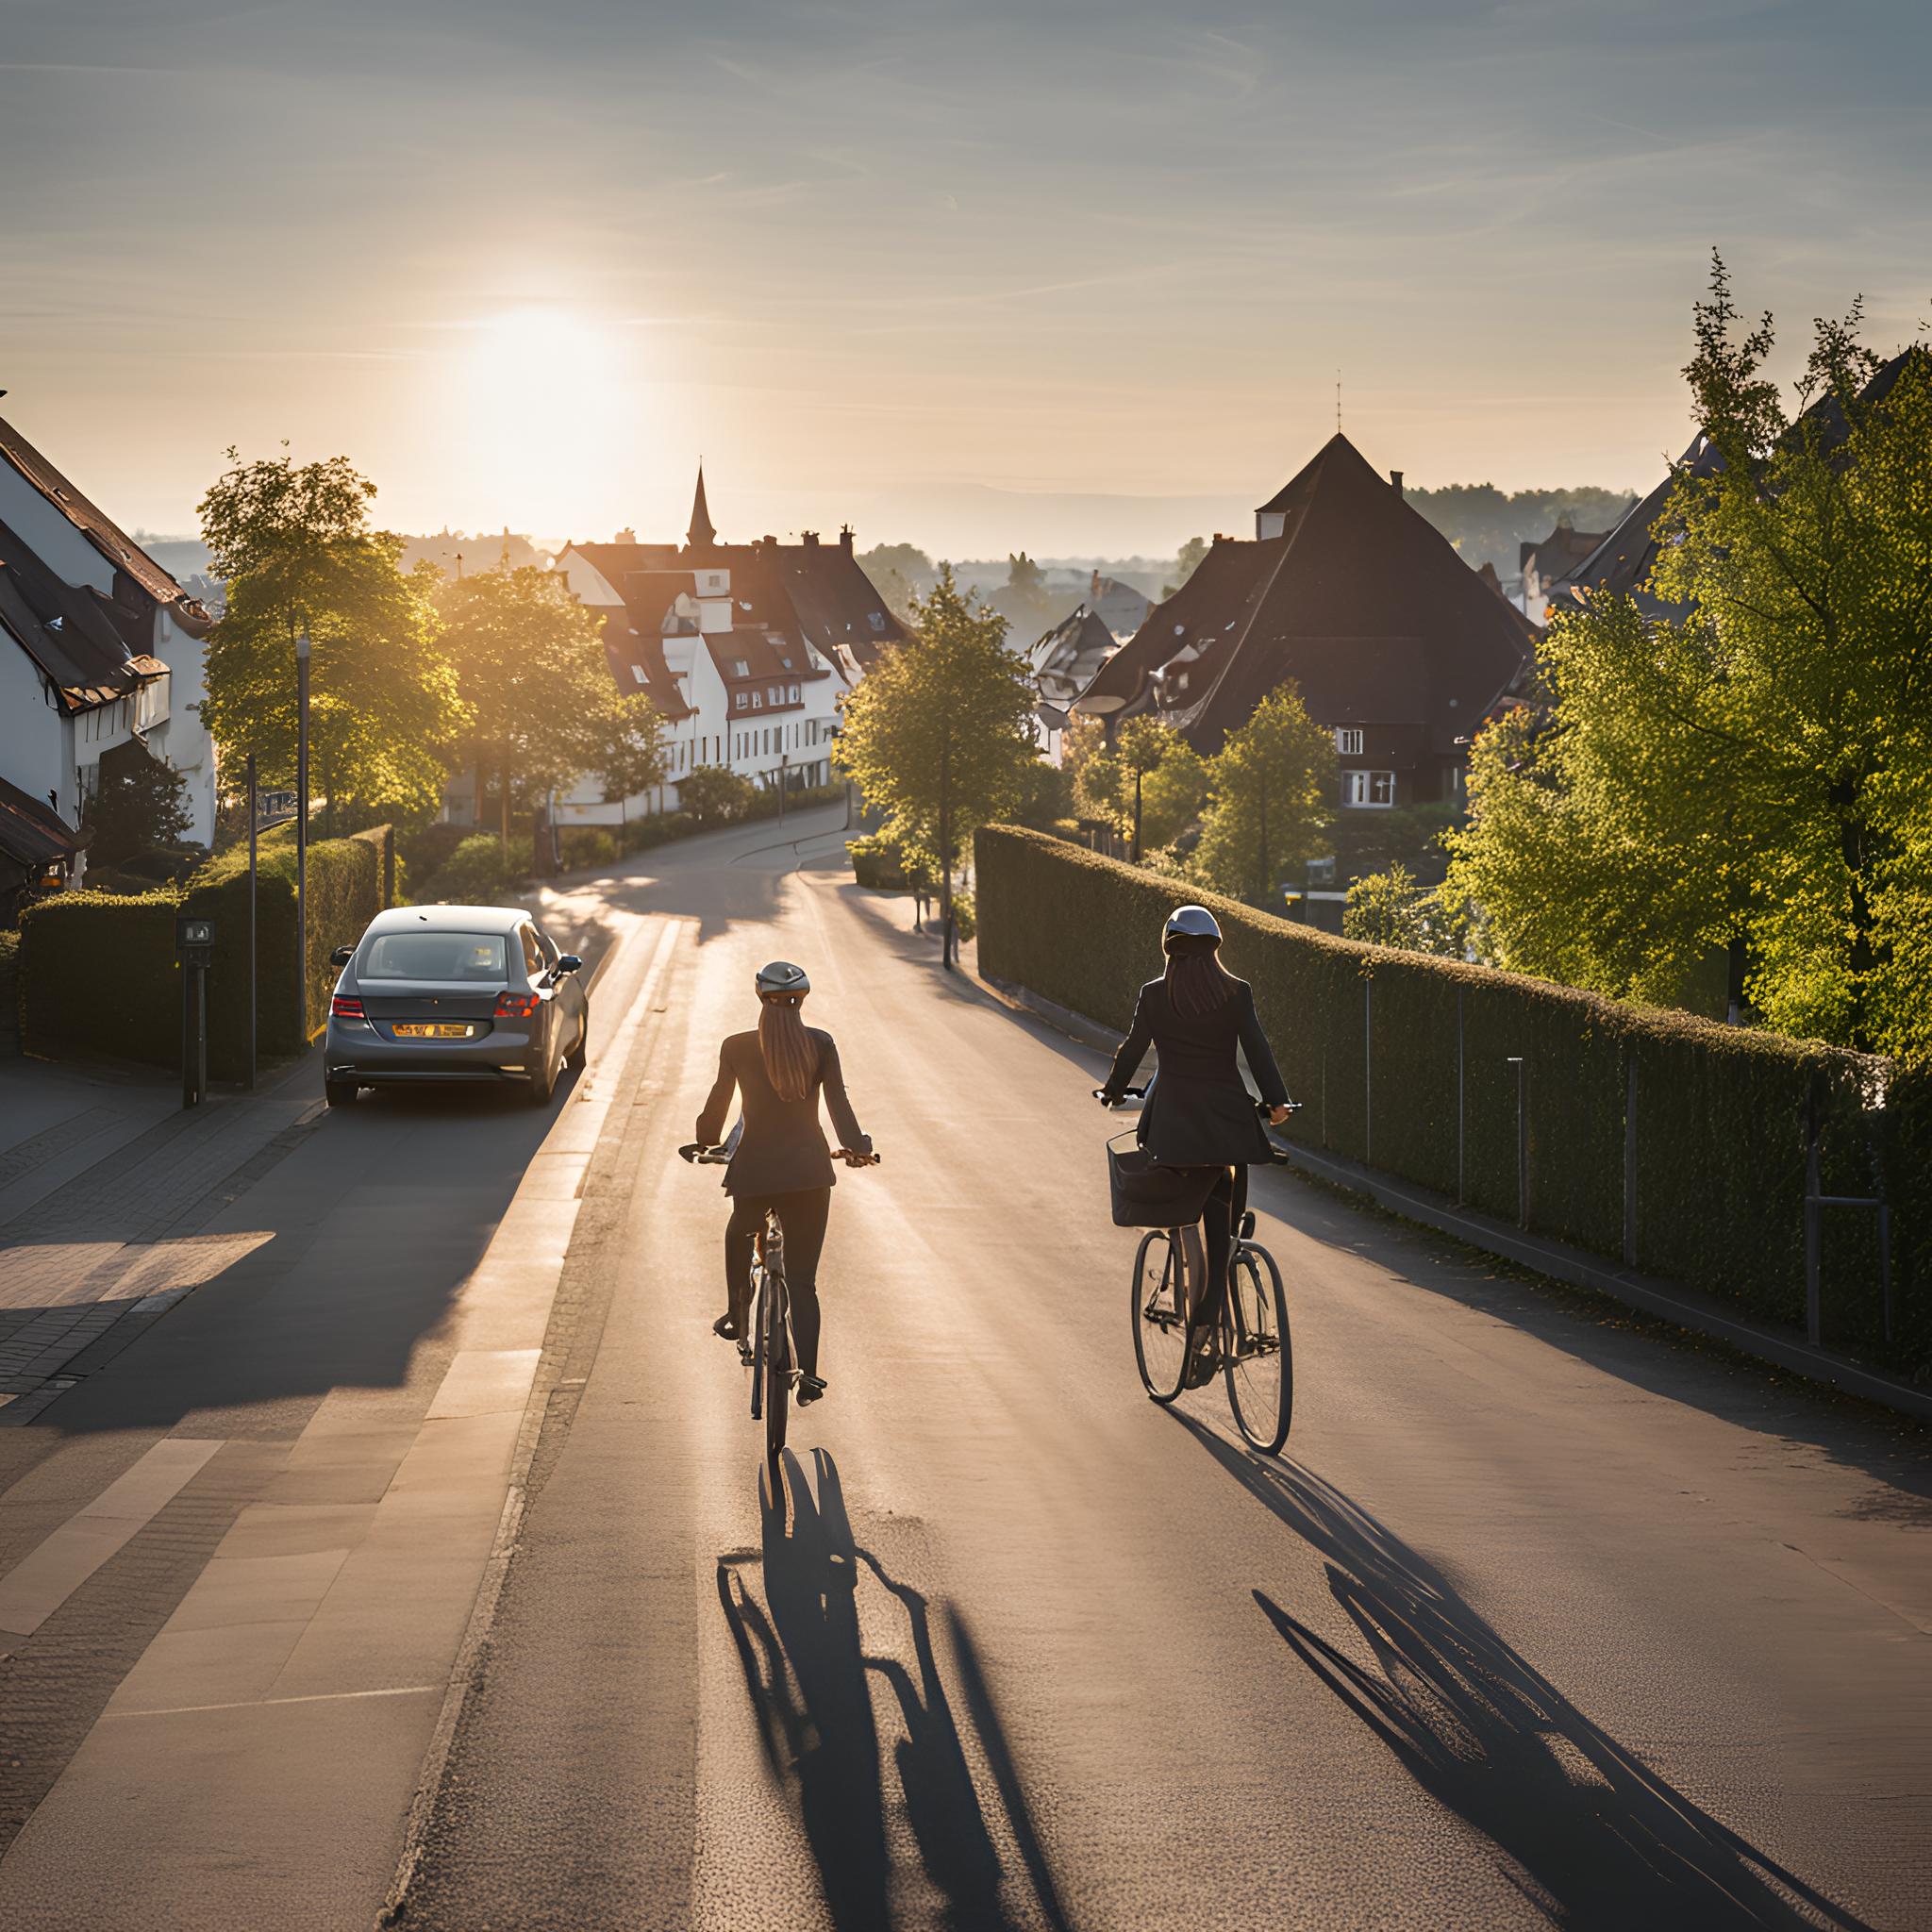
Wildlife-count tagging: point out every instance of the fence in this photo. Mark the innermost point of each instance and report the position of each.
(1679, 1146)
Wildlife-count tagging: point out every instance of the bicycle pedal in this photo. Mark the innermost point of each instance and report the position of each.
(745, 1354)
(1248, 1225)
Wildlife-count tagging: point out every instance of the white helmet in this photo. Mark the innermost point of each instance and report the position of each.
(781, 976)
(1190, 923)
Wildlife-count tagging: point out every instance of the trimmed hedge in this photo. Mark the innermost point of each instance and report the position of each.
(99, 974)
(1368, 1040)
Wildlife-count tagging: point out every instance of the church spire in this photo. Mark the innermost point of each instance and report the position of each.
(701, 536)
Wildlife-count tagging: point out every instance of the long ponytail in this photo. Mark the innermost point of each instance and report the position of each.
(1197, 982)
(791, 1054)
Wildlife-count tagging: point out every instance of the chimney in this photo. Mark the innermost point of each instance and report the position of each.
(1395, 477)
(771, 541)
(809, 539)
(625, 536)
(845, 539)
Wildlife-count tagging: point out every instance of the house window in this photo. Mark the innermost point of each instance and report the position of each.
(739, 668)
(1368, 788)
(792, 693)
(636, 671)
(878, 620)
(811, 730)
(758, 701)
(738, 703)
(775, 693)
(1348, 740)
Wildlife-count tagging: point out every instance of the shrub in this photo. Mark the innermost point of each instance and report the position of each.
(580, 847)
(715, 795)
(477, 873)
(640, 835)
(876, 863)
(965, 921)
(98, 973)
(1406, 1062)
(9, 991)
(425, 849)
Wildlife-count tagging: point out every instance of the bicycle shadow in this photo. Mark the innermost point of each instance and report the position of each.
(811, 1678)
(1588, 1834)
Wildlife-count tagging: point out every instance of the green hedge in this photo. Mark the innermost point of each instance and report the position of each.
(99, 974)
(1368, 1040)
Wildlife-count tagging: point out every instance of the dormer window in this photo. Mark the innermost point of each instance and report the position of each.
(878, 620)
(757, 703)
(739, 668)
(636, 671)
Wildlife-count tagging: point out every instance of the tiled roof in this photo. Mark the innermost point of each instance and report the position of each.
(1065, 660)
(768, 657)
(129, 558)
(79, 639)
(33, 834)
(1361, 601)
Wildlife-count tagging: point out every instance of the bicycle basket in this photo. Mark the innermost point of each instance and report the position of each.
(1147, 1194)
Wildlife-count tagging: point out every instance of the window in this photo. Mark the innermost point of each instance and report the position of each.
(758, 701)
(739, 702)
(636, 671)
(1368, 788)
(811, 730)
(878, 620)
(1348, 740)
(459, 957)
(774, 694)
(739, 668)
(793, 693)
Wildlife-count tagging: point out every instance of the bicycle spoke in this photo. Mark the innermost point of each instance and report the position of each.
(1261, 1360)
(1159, 1315)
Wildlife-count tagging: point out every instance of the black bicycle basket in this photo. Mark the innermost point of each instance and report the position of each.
(1148, 1194)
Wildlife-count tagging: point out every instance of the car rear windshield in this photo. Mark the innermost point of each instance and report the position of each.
(445, 955)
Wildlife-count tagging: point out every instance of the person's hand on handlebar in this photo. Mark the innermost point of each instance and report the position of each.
(1277, 1116)
(853, 1159)
(1126, 1093)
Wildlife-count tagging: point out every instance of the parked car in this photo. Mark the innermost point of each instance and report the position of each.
(453, 993)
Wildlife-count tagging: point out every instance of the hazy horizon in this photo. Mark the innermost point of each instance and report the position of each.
(1078, 277)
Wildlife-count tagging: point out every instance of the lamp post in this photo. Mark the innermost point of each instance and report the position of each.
(254, 815)
(302, 837)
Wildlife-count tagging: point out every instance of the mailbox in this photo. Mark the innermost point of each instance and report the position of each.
(193, 935)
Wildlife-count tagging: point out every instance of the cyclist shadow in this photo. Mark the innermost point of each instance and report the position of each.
(1596, 1838)
(811, 1683)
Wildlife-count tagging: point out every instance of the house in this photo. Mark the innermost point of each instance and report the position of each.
(1120, 606)
(744, 649)
(1549, 566)
(1396, 646)
(101, 655)
(1064, 663)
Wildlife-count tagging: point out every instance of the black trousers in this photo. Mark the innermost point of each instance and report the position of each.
(803, 1216)
(1219, 1220)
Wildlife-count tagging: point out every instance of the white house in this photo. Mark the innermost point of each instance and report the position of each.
(101, 654)
(745, 650)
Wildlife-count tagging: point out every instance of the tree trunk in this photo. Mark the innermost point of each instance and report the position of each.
(503, 777)
(946, 858)
(1137, 814)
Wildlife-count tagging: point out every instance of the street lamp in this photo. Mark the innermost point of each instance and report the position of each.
(302, 836)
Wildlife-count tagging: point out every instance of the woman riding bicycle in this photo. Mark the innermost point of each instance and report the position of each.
(780, 1162)
(1199, 1113)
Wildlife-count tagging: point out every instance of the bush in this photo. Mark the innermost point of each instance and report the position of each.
(9, 991)
(579, 847)
(477, 873)
(876, 863)
(640, 835)
(425, 849)
(965, 920)
(1405, 1063)
(98, 973)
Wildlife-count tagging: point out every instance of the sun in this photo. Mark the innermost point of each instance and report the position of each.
(534, 354)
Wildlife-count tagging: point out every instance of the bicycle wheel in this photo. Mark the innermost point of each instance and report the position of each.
(1258, 1353)
(1159, 1313)
(777, 1366)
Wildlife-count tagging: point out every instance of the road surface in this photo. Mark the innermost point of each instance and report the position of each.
(1541, 1619)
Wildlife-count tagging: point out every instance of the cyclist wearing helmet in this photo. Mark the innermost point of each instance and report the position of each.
(781, 1161)
(1199, 1113)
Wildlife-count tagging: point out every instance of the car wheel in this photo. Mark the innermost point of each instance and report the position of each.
(575, 1058)
(543, 1085)
(339, 1093)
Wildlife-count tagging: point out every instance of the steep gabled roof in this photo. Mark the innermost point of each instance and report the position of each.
(129, 560)
(1360, 601)
(835, 604)
(72, 634)
(33, 834)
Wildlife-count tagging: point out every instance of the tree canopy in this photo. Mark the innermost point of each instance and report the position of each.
(300, 557)
(1274, 784)
(1757, 775)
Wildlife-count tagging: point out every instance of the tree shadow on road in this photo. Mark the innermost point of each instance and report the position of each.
(811, 1681)
(1589, 1835)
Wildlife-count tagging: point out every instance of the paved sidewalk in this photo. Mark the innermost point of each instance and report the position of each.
(106, 1184)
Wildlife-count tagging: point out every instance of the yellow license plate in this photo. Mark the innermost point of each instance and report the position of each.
(409, 1029)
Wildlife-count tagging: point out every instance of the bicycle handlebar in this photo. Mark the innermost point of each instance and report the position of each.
(700, 1156)
(1107, 1099)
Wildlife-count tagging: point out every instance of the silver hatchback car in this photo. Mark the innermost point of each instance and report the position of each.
(453, 993)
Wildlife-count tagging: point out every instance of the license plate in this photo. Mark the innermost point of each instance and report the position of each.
(410, 1029)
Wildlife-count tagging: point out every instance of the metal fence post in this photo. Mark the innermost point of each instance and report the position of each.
(1461, 1182)
(1630, 1158)
(1367, 1081)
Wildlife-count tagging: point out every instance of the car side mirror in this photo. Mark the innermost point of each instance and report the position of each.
(569, 964)
(342, 956)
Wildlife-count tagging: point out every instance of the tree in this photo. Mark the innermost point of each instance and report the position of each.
(531, 667)
(1755, 777)
(1389, 908)
(715, 795)
(1025, 601)
(294, 545)
(939, 734)
(1149, 786)
(1273, 782)
(1488, 526)
(139, 803)
(1192, 553)
(901, 575)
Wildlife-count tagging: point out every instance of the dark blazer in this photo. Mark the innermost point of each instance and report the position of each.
(783, 1147)
(1199, 1114)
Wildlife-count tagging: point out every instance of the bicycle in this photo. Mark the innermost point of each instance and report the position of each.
(767, 1350)
(1253, 1347)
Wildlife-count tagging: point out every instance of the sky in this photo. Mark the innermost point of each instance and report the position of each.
(1072, 275)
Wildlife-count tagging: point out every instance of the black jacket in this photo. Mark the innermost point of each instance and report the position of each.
(1199, 1114)
(783, 1147)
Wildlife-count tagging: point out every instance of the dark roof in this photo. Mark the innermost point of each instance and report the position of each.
(33, 835)
(833, 601)
(129, 558)
(1362, 602)
(1120, 606)
(1558, 554)
(92, 649)
(768, 657)
(701, 535)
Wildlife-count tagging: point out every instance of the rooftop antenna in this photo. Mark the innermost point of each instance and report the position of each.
(1337, 402)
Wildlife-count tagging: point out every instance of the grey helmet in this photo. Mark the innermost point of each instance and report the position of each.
(1190, 923)
(781, 976)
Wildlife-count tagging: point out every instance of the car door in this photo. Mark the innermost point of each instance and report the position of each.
(573, 1003)
(537, 970)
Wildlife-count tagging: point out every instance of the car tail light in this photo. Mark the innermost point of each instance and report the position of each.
(516, 1006)
(342, 1007)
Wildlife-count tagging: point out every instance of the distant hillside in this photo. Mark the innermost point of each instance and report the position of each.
(1487, 525)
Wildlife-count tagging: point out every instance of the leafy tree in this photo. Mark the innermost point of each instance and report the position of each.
(1025, 601)
(900, 573)
(1150, 785)
(1757, 776)
(1193, 552)
(716, 796)
(140, 803)
(939, 734)
(294, 544)
(1409, 836)
(531, 667)
(1273, 782)
(1390, 909)
(1489, 526)
(1046, 795)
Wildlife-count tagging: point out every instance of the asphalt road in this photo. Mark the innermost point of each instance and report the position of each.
(1541, 1619)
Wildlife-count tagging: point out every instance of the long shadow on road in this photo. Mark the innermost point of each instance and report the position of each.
(811, 1678)
(1591, 1836)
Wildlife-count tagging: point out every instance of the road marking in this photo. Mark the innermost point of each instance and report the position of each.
(261, 1703)
(50, 1572)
